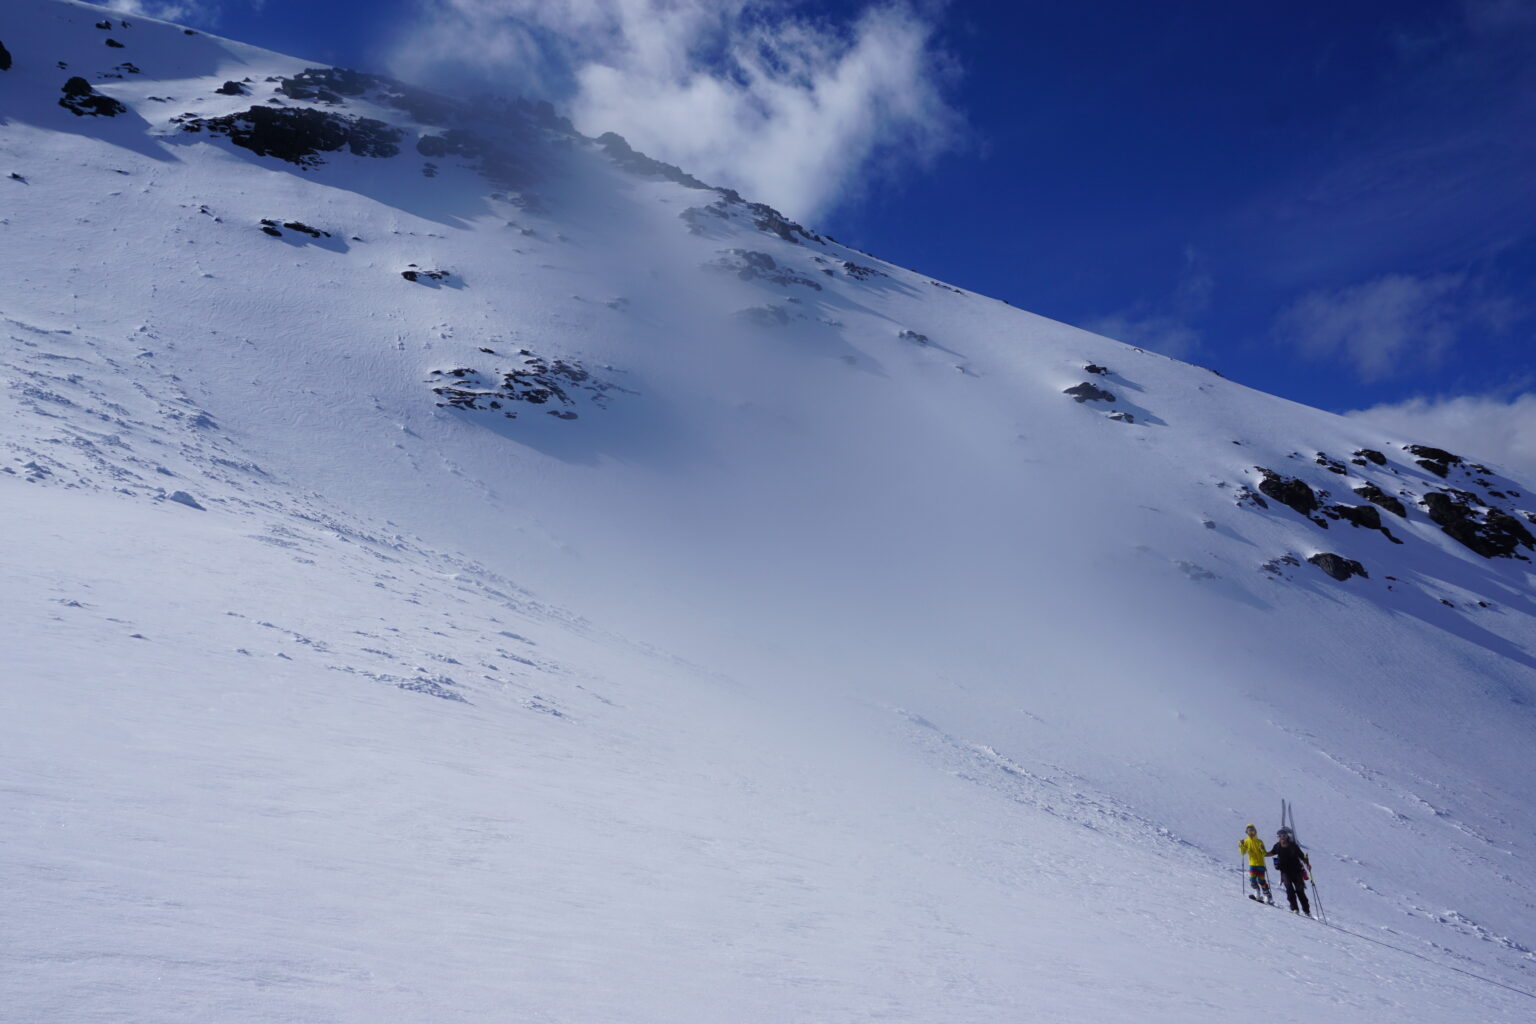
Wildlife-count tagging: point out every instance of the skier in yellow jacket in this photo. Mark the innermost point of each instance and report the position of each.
(1253, 846)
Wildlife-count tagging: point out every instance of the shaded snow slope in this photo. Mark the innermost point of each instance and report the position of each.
(458, 568)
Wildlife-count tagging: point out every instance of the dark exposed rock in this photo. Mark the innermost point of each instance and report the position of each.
(537, 381)
(1086, 392)
(1122, 417)
(270, 227)
(1375, 495)
(1095, 368)
(1436, 460)
(1371, 455)
(1364, 516)
(5, 58)
(83, 101)
(1276, 565)
(328, 85)
(1337, 566)
(114, 44)
(424, 275)
(183, 498)
(758, 266)
(231, 89)
(766, 218)
(1491, 533)
(299, 135)
(914, 337)
(859, 272)
(104, 24)
(1247, 496)
(302, 228)
(620, 152)
(1292, 493)
(1330, 464)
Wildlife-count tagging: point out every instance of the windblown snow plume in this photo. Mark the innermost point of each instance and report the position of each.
(750, 94)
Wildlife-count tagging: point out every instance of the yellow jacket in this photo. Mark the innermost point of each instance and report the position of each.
(1254, 847)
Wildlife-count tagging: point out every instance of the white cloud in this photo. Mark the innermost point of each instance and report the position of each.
(1485, 428)
(166, 10)
(1389, 325)
(790, 110)
(1166, 326)
(202, 12)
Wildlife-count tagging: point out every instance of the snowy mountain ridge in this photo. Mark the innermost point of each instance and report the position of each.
(960, 643)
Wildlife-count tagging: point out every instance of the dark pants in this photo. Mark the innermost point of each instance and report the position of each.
(1296, 890)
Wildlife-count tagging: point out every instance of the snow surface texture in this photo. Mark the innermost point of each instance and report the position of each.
(455, 569)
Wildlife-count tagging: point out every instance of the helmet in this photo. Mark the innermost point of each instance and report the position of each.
(1287, 833)
(1250, 827)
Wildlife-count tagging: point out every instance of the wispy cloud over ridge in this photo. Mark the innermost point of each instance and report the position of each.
(751, 94)
(1488, 428)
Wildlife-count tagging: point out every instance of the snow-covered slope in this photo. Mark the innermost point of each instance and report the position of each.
(458, 569)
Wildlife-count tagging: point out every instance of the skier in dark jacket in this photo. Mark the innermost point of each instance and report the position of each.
(1294, 867)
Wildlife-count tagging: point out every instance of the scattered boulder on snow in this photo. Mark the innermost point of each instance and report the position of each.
(420, 276)
(1490, 532)
(5, 58)
(914, 337)
(1437, 460)
(83, 101)
(1288, 491)
(1376, 496)
(231, 88)
(1121, 416)
(114, 44)
(1277, 565)
(1086, 392)
(271, 227)
(183, 498)
(1102, 371)
(1332, 465)
(299, 135)
(758, 266)
(537, 381)
(1337, 566)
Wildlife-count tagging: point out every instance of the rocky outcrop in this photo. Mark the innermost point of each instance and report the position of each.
(1436, 460)
(1490, 532)
(300, 135)
(231, 88)
(537, 381)
(1332, 465)
(1365, 455)
(1288, 491)
(635, 162)
(749, 265)
(83, 101)
(5, 58)
(1376, 496)
(1337, 566)
(1086, 392)
(271, 227)
(1364, 516)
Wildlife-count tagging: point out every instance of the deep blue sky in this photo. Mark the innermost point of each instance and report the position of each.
(1333, 202)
